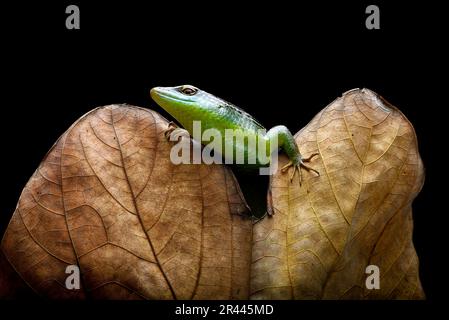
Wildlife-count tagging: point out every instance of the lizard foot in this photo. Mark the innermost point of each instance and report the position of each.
(297, 167)
(173, 132)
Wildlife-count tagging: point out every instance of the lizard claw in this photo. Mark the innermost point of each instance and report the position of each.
(170, 128)
(173, 132)
(309, 158)
(297, 167)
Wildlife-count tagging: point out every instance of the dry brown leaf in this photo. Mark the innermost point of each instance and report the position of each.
(357, 213)
(108, 198)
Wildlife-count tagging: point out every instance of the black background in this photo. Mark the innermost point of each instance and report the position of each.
(282, 62)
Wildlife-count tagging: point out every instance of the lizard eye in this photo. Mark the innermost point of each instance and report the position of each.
(189, 90)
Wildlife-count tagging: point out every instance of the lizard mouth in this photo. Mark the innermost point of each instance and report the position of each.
(164, 94)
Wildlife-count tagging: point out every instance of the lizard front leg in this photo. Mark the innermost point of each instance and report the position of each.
(286, 141)
(173, 132)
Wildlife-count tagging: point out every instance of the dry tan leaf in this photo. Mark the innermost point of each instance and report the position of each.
(108, 199)
(357, 213)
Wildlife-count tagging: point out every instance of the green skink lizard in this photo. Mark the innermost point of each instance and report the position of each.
(187, 104)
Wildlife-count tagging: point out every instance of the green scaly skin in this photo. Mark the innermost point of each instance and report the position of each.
(187, 104)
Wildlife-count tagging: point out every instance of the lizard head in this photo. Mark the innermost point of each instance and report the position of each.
(187, 103)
